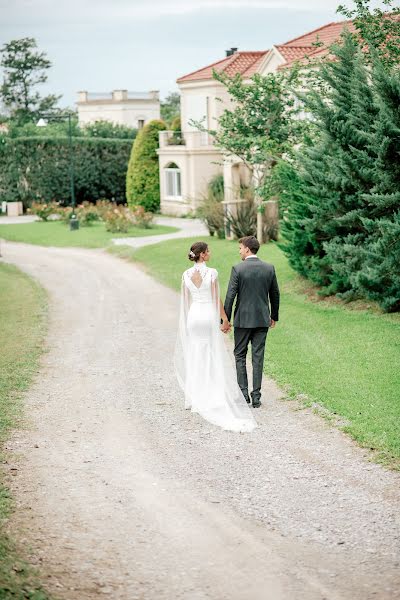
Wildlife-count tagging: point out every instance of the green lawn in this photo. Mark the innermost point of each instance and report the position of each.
(56, 233)
(345, 360)
(22, 328)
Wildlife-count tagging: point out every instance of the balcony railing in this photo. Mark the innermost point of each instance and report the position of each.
(190, 139)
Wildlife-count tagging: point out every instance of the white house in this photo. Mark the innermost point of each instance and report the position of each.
(121, 107)
(189, 161)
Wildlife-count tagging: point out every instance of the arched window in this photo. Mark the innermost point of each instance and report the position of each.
(173, 181)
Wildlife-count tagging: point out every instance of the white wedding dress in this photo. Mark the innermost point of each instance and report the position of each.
(202, 363)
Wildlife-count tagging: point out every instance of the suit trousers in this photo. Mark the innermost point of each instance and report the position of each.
(243, 336)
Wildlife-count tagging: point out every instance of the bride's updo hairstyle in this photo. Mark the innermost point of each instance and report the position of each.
(196, 249)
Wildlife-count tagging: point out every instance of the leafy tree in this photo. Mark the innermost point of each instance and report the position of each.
(171, 108)
(24, 69)
(142, 178)
(257, 128)
(378, 29)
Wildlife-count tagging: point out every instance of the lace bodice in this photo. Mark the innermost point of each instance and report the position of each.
(200, 287)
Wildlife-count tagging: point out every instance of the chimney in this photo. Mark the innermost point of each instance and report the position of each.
(231, 51)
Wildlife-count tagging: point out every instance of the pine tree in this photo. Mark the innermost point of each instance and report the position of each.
(379, 276)
(335, 171)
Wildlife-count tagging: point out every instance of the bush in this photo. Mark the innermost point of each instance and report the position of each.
(142, 178)
(211, 211)
(142, 218)
(44, 210)
(245, 221)
(118, 219)
(103, 206)
(37, 169)
(87, 214)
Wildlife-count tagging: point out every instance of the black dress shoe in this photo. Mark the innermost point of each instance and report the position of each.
(256, 404)
(248, 400)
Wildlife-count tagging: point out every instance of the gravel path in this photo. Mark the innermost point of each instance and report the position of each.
(123, 494)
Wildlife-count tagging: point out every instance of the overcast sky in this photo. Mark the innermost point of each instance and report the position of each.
(101, 45)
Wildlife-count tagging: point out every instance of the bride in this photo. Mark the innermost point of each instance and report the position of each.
(202, 363)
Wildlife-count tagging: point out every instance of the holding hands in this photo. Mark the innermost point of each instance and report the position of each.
(226, 326)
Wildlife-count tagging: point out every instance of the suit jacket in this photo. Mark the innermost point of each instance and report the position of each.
(254, 285)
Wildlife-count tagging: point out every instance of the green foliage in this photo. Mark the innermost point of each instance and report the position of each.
(258, 126)
(25, 68)
(378, 28)
(176, 124)
(244, 222)
(87, 214)
(170, 108)
(142, 178)
(216, 187)
(37, 169)
(342, 194)
(211, 211)
(106, 129)
(42, 210)
(52, 129)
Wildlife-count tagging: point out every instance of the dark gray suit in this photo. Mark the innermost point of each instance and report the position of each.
(254, 285)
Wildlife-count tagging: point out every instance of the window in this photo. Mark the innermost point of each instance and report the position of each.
(140, 123)
(173, 181)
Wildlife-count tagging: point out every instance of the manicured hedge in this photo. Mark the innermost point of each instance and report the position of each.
(37, 169)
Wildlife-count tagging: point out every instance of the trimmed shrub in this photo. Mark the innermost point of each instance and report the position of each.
(142, 178)
(37, 169)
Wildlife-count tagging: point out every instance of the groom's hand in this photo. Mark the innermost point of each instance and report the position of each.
(273, 323)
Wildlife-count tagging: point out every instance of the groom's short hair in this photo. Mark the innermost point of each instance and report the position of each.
(251, 243)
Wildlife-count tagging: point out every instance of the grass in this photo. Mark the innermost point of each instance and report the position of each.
(323, 352)
(56, 233)
(22, 328)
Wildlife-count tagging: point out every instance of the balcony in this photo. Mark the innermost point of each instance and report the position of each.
(190, 139)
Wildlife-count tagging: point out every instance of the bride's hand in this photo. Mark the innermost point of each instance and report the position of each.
(226, 326)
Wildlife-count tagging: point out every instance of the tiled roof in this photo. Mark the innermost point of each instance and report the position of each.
(304, 46)
(244, 63)
(297, 49)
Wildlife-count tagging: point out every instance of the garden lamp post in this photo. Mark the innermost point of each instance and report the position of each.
(73, 223)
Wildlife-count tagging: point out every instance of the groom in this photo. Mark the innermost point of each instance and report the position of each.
(253, 283)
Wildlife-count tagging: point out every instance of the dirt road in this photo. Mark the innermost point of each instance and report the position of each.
(122, 494)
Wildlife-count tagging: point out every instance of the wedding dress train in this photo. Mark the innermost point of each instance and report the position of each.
(202, 362)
